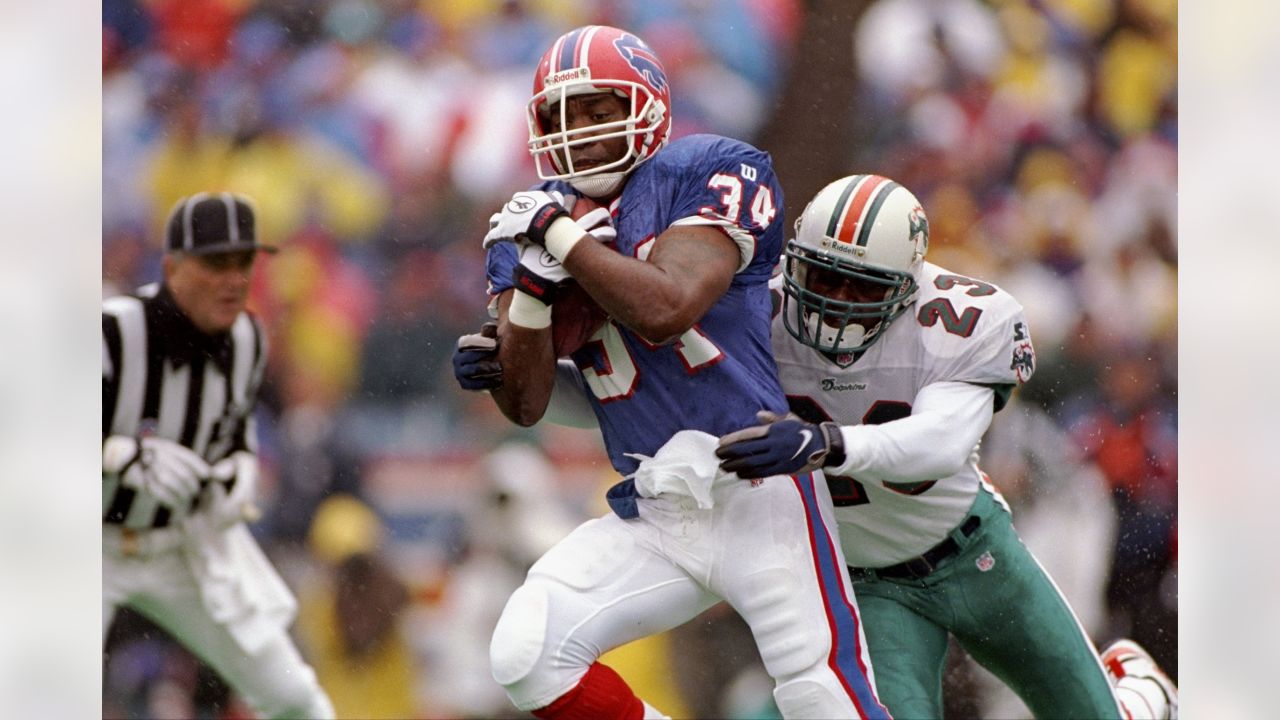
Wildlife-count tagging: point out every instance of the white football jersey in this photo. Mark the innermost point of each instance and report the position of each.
(958, 330)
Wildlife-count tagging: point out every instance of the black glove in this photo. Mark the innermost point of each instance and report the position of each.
(780, 445)
(475, 361)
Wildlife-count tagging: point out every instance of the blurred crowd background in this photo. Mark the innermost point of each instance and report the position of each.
(377, 137)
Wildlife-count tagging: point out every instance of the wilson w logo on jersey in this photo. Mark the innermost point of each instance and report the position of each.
(641, 58)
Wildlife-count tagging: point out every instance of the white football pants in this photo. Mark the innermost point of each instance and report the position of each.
(276, 682)
(767, 549)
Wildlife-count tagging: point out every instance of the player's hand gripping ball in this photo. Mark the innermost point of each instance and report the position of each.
(575, 317)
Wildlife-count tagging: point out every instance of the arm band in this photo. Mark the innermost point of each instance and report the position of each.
(563, 234)
(528, 312)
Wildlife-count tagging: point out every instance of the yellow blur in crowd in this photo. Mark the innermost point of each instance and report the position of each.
(351, 623)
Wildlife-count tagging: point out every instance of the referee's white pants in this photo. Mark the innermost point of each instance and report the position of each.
(769, 549)
(276, 682)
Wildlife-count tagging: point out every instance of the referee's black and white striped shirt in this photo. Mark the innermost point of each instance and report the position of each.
(162, 376)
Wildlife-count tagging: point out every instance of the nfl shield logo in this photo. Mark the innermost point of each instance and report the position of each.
(985, 562)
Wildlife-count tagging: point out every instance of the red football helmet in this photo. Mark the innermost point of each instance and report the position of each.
(598, 59)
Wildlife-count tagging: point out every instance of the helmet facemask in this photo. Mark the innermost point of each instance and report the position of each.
(831, 325)
(864, 229)
(551, 148)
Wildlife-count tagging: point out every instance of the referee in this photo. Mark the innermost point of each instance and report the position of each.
(182, 363)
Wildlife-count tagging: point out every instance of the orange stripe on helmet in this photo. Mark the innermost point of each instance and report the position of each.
(866, 189)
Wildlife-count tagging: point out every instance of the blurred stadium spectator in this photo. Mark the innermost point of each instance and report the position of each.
(351, 620)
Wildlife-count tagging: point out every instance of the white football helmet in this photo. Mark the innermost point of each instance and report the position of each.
(862, 228)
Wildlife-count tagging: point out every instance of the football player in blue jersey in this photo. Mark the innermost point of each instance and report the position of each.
(681, 268)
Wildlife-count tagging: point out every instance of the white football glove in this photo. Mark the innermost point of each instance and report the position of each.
(599, 224)
(538, 261)
(230, 493)
(163, 469)
(526, 217)
(541, 275)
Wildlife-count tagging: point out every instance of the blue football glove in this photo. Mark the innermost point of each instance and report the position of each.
(475, 361)
(526, 217)
(780, 445)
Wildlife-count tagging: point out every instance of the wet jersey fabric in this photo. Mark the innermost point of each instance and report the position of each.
(718, 374)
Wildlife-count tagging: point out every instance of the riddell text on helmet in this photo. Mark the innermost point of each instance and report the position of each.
(580, 73)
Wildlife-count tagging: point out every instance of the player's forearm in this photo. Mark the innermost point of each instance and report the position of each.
(569, 405)
(640, 296)
(661, 298)
(935, 441)
(528, 368)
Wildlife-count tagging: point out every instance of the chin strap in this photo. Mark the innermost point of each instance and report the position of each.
(602, 184)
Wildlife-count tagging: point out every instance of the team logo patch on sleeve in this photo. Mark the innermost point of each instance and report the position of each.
(1024, 355)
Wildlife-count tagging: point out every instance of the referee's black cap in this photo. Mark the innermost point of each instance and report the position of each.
(207, 223)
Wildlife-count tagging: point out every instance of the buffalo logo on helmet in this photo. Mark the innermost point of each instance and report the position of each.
(642, 59)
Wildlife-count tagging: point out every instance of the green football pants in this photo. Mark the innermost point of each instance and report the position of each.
(1002, 608)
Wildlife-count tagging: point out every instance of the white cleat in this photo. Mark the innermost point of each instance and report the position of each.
(1141, 687)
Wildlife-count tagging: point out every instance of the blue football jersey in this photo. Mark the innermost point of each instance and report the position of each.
(720, 372)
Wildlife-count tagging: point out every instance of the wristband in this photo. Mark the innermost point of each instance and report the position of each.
(532, 284)
(528, 312)
(561, 236)
(543, 220)
(835, 445)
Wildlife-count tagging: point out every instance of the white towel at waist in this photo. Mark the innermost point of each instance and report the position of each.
(239, 587)
(686, 465)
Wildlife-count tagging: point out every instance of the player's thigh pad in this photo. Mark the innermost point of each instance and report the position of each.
(600, 587)
(520, 634)
(585, 560)
(768, 571)
(790, 629)
(589, 556)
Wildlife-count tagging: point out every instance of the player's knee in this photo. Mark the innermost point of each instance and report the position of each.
(789, 639)
(520, 635)
(806, 697)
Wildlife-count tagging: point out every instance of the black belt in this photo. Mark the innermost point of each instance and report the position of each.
(923, 565)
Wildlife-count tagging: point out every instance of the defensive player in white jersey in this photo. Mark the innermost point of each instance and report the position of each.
(893, 368)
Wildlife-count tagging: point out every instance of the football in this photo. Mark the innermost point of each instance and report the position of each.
(575, 317)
